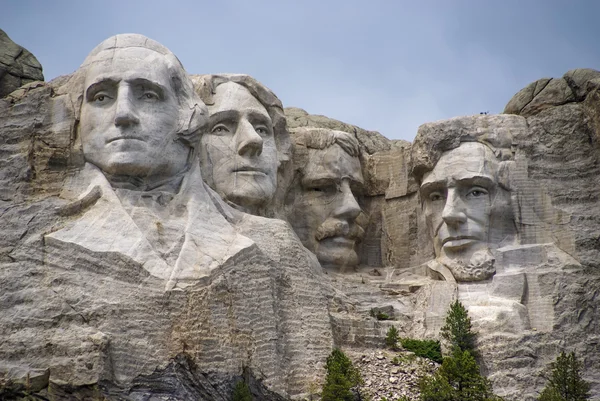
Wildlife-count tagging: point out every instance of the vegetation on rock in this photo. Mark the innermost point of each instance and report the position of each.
(241, 392)
(458, 379)
(342, 378)
(566, 383)
(391, 338)
(458, 330)
(429, 349)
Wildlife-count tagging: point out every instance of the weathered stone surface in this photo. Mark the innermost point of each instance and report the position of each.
(88, 295)
(321, 202)
(17, 66)
(125, 276)
(246, 150)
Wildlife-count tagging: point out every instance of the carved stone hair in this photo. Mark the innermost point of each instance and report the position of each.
(206, 85)
(322, 138)
(434, 139)
(192, 112)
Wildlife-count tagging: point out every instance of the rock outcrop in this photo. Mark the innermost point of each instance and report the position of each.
(17, 66)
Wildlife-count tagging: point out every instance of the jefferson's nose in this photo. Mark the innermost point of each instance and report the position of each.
(125, 114)
(454, 210)
(249, 142)
(347, 207)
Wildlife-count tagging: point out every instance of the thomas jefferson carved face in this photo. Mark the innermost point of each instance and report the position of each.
(325, 211)
(459, 196)
(129, 115)
(239, 153)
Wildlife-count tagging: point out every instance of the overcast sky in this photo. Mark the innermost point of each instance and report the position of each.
(382, 65)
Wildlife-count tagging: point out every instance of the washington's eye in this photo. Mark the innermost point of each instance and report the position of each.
(150, 95)
(100, 97)
(261, 130)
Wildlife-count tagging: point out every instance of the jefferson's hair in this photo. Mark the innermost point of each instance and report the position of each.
(206, 85)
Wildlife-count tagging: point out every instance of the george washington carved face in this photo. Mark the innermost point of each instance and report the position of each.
(130, 115)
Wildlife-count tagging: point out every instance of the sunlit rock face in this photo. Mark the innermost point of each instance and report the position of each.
(503, 240)
(144, 251)
(17, 66)
(246, 145)
(322, 202)
(146, 282)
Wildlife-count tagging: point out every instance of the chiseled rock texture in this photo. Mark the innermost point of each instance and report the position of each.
(75, 324)
(80, 325)
(17, 66)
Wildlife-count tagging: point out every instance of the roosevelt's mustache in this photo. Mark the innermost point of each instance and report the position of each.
(337, 228)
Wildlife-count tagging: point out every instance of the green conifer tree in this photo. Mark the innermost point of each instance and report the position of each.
(565, 382)
(341, 378)
(241, 392)
(457, 330)
(391, 338)
(458, 379)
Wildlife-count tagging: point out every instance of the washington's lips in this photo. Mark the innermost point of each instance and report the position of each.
(137, 138)
(250, 169)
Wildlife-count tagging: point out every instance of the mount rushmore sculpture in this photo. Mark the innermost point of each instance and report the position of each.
(166, 234)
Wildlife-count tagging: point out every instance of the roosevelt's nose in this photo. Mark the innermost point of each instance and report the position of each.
(125, 113)
(249, 142)
(454, 212)
(347, 207)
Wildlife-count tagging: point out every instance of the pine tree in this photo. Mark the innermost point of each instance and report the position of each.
(391, 338)
(565, 383)
(241, 392)
(458, 379)
(457, 330)
(341, 378)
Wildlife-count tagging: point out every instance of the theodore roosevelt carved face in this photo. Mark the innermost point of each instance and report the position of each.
(325, 207)
(464, 204)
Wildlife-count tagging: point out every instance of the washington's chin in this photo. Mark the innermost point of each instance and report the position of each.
(124, 164)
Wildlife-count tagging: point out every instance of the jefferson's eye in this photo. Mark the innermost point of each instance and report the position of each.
(219, 129)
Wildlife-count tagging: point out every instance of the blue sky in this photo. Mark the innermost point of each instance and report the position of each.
(382, 65)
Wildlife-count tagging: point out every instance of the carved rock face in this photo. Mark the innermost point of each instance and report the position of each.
(239, 154)
(327, 208)
(129, 115)
(458, 197)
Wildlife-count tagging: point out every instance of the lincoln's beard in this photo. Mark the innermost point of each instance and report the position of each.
(479, 267)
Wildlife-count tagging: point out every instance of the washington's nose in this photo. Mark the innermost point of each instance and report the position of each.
(125, 113)
(454, 209)
(249, 142)
(347, 207)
